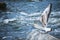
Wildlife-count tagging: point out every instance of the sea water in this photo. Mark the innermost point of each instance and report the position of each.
(25, 15)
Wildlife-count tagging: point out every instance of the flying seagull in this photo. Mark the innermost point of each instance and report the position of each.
(44, 19)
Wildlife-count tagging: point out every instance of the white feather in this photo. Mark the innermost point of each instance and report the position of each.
(44, 19)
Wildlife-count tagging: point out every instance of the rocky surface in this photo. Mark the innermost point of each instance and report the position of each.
(40, 35)
(3, 6)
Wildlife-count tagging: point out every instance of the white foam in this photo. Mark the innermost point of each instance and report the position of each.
(23, 13)
(6, 37)
(57, 30)
(32, 14)
(7, 20)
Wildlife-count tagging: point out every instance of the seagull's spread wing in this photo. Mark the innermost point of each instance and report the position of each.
(44, 19)
(45, 15)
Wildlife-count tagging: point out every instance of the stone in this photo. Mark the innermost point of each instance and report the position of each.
(2, 6)
(40, 35)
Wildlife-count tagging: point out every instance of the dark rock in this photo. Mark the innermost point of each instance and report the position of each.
(2, 6)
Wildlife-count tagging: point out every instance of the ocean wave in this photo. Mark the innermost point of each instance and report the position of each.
(22, 16)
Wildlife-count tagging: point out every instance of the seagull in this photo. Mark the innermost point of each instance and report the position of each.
(44, 19)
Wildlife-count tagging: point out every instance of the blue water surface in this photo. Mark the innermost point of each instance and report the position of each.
(19, 29)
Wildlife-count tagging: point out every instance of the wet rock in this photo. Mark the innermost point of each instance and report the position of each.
(38, 35)
(2, 6)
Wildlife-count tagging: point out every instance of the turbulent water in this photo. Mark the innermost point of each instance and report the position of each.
(23, 16)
